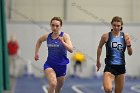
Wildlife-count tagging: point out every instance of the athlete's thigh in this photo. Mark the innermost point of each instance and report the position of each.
(119, 83)
(50, 74)
(60, 80)
(107, 80)
(60, 83)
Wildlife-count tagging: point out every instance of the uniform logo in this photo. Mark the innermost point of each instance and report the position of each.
(121, 36)
(117, 46)
(52, 45)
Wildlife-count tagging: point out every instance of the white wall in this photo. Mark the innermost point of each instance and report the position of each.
(74, 10)
(39, 10)
(85, 37)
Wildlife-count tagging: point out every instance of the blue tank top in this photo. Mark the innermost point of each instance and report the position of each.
(57, 53)
(115, 48)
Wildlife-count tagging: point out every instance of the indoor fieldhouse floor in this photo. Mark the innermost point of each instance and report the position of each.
(31, 84)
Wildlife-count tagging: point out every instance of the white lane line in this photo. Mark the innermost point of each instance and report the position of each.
(45, 88)
(75, 88)
(136, 88)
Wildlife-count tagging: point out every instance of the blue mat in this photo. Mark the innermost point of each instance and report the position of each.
(31, 84)
(28, 84)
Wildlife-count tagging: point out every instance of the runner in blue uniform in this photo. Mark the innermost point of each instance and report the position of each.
(116, 42)
(58, 43)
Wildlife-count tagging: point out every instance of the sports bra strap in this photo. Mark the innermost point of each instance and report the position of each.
(61, 34)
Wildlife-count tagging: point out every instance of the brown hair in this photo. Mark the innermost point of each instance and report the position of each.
(117, 19)
(58, 19)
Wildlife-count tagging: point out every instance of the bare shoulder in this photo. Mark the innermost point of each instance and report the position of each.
(44, 37)
(105, 37)
(66, 35)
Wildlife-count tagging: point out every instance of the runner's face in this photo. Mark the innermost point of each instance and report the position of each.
(116, 26)
(55, 26)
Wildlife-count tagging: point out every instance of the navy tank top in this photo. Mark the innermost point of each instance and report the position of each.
(115, 48)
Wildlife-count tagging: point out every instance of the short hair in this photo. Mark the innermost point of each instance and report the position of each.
(58, 19)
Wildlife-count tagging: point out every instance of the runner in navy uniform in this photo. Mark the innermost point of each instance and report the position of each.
(116, 42)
